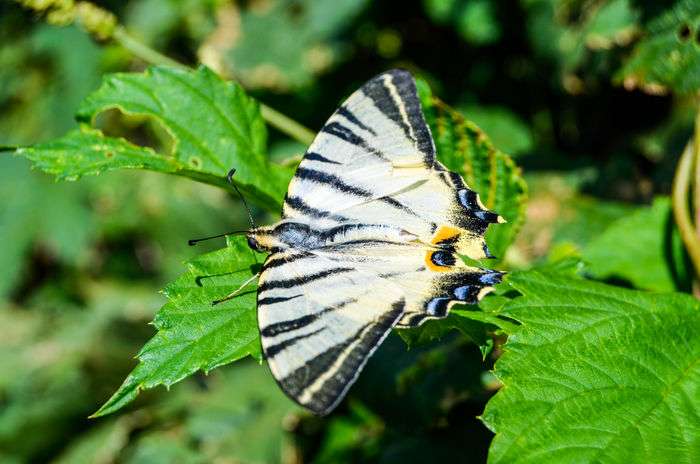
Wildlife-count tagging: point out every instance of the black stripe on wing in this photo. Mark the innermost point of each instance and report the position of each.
(277, 328)
(332, 180)
(350, 116)
(275, 299)
(301, 206)
(397, 204)
(313, 156)
(301, 280)
(354, 351)
(345, 133)
(278, 259)
(273, 350)
(394, 94)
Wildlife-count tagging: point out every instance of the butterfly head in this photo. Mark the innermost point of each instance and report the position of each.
(263, 240)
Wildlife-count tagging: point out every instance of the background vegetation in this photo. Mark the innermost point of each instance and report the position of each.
(592, 101)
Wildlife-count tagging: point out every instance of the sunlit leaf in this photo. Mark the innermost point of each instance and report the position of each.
(596, 373)
(192, 333)
(215, 126)
(430, 331)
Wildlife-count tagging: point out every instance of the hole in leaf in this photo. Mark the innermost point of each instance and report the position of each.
(144, 131)
(684, 32)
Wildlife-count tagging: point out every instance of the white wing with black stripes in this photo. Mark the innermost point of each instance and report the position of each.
(374, 162)
(372, 229)
(319, 322)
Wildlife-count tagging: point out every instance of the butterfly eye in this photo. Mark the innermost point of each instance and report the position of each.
(253, 244)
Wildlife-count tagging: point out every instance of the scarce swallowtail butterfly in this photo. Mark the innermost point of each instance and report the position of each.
(371, 232)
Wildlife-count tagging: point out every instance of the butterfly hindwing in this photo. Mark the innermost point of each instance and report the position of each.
(323, 312)
(319, 322)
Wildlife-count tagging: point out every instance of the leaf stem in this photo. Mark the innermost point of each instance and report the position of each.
(681, 212)
(273, 117)
(286, 125)
(143, 51)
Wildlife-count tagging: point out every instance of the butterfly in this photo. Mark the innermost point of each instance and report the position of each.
(371, 232)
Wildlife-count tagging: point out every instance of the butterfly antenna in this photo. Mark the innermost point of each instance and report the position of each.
(229, 178)
(195, 241)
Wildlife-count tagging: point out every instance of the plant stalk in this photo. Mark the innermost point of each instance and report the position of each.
(681, 210)
(696, 189)
(287, 125)
(143, 51)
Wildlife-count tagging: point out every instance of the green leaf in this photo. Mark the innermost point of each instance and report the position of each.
(214, 125)
(281, 45)
(464, 148)
(596, 373)
(581, 218)
(638, 247)
(87, 151)
(476, 331)
(192, 333)
(669, 54)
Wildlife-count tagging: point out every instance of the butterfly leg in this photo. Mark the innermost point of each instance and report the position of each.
(231, 295)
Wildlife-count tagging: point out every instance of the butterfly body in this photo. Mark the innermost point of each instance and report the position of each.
(371, 235)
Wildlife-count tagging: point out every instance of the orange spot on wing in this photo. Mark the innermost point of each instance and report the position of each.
(444, 233)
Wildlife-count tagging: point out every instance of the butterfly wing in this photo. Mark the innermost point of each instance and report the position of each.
(320, 320)
(374, 162)
(393, 221)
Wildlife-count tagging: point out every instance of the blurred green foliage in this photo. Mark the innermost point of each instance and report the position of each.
(593, 99)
